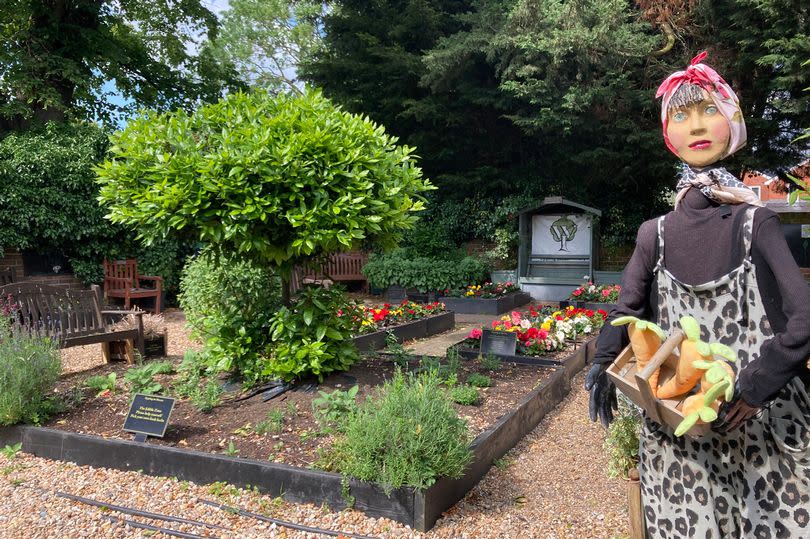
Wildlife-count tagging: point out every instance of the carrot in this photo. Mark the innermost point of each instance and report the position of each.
(687, 375)
(716, 384)
(645, 340)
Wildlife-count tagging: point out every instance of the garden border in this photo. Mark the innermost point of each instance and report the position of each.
(572, 363)
(417, 329)
(413, 507)
(486, 306)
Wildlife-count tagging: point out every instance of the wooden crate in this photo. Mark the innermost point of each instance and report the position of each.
(635, 385)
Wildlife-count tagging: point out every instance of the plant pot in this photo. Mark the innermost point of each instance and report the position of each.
(156, 346)
(421, 297)
(502, 276)
(395, 293)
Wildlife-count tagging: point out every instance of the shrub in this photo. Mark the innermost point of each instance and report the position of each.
(101, 384)
(479, 380)
(309, 339)
(425, 274)
(29, 368)
(623, 439)
(332, 409)
(465, 395)
(277, 178)
(229, 303)
(141, 379)
(408, 434)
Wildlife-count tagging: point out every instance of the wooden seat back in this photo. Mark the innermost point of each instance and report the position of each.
(119, 274)
(58, 313)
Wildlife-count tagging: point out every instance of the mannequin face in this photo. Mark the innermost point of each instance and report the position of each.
(698, 132)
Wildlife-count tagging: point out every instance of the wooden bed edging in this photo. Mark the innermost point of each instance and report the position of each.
(418, 329)
(415, 508)
(500, 305)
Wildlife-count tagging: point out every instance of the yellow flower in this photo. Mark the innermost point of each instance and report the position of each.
(546, 326)
(556, 314)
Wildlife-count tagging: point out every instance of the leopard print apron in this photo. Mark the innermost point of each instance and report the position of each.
(755, 481)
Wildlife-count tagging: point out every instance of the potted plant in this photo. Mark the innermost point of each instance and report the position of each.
(155, 336)
(503, 256)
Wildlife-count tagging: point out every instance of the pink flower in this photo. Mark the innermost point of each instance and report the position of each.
(475, 333)
(606, 292)
(516, 317)
(576, 292)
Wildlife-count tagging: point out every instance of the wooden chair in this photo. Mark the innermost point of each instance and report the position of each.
(71, 317)
(121, 280)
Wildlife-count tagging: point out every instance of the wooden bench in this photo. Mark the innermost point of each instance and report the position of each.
(71, 317)
(341, 267)
(122, 280)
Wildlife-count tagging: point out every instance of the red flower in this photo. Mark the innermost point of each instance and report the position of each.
(576, 292)
(411, 311)
(603, 313)
(475, 333)
(542, 334)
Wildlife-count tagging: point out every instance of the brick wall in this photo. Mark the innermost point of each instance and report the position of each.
(12, 259)
(614, 258)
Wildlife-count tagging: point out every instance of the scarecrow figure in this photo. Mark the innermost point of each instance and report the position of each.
(721, 258)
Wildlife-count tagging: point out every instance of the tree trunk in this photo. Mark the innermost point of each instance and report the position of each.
(286, 293)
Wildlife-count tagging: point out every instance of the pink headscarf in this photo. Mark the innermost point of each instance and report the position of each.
(720, 92)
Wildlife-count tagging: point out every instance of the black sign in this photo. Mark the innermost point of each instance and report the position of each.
(149, 415)
(500, 343)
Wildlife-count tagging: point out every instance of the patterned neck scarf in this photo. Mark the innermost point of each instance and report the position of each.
(720, 92)
(717, 184)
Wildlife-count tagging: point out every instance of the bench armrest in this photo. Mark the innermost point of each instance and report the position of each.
(151, 277)
(123, 312)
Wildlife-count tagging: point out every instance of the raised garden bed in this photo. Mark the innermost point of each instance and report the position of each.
(572, 361)
(492, 306)
(418, 329)
(91, 435)
(607, 307)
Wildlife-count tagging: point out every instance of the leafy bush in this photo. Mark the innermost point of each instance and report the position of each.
(141, 379)
(29, 368)
(623, 439)
(101, 383)
(277, 178)
(425, 274)
(309, 339)
(207, 397)
(229, 303)
(408, 434)
(479, 380)
(465, 395)
(332, 409)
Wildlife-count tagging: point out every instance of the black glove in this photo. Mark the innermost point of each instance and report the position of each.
(734, 413)
(603, 394)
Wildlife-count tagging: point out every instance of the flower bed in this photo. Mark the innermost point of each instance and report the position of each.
(594, 296)
(213, 447)
(488, 298)
(372, 319)
(542, 333)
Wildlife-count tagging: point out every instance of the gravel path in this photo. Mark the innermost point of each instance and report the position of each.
(553, 484)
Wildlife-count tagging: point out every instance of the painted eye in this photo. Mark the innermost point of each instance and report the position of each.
(711, 110)
(679, 116)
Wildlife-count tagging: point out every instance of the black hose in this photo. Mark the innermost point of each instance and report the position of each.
(149, 527)
(299, 527)
(137, 512)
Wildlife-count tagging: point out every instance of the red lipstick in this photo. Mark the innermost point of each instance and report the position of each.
(700, 144)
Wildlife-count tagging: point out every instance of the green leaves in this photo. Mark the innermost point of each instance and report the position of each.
(310, 339)
(262, 176)
(691, 329)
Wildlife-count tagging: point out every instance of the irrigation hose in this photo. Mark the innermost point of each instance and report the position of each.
(138, 512)
(300, 527)
(142, 526)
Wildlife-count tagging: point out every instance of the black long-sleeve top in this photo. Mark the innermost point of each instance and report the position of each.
(701, 245)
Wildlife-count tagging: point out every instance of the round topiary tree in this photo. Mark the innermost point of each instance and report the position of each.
(277, 179)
